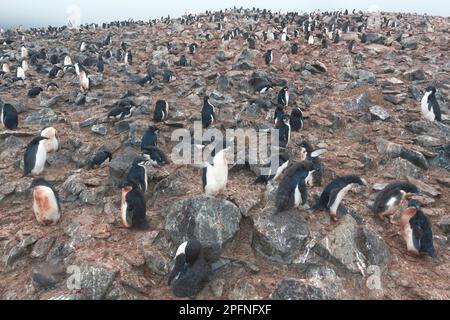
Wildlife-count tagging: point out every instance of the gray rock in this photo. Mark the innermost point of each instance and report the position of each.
(73, 186)
(155, 261)
(120, 164)
(46, 275)
(99, 129)
(409, 43)
(299, 289)
(42, 247)
(88, 122)
(50, 102)
(244, 61)
(315, 67)
(281, 236)
(428, 141)
(379, 113)
(92, 196)
(395, 98)
(58, 252)
(244, 290)
(414, 74)
(414, 92)
(444, 224)
(43, 117)
(223, 83)
(375, 38)
(95, 281)
(80, 99)
(212, 221)
(361, 103)
(402, 168)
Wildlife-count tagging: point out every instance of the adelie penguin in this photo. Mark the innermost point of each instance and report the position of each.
(190, 271)
(150, 138)
(208, 115)
(183, 61)
(147, 79)
(294, 48)
(416, 230)
(429, 105)
(292, 191)
(46, 206)
(35, 156)
(268, 57)
(132, 208)
(278, 114)
(193, 48)
(52, 142)
(215, 173)
(9, 117)
(138, 172)
(279, 163)
(128, 58)
(296, 119)
(121, 112)
(335, 191)
(157, 157)
(307, 152)
(161, 111)
(284, 130)
(34, 92)
(390, 198)
(283, 97)
(99, 158)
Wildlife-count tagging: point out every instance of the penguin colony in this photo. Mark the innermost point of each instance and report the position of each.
(295, 175)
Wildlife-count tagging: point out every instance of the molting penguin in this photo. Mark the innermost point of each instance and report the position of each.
(132, 208)
(35, 156)
(9, 117)
(335, 191)
(280, 163)
(292, 190)
(429, 105)
(296, 119)
(284, 131)
(283, 97)
(138, 172)
(52, 142)
(149, 139)
(387, 201)
(190, 271)
(215, 173)
(416, 230)
(161, 110)
(46, 206)
(268, 57)
(99, 158)
(208, 116)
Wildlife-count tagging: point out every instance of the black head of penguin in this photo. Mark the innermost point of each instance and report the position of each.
(161, 110)
(99, 157)
(391, 196)
(335, 191)
(190, 271)
(133, 209)
(292, 190)
(30, 160)
(9, 117)
(46, 204)
(150, 138)
(192, 48)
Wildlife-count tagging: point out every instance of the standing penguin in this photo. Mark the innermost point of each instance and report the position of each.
(149, 139)
(387, 201)
(161, 110)
(307, 152)
(35, 156)
(311, 39)
(46, 206)
(138, 172)
(283, 97)
(183, 61)
(294, 48)
(208, 116)
(193, 48)
(292, 190)
(284, 131)
(100, 64)
(278, 114)
(335, 191)
(296, 119)
(52, 142)
(279, 162)
(128, 58)
(416, 230)
(9, 117)
(132, 208)
(324, 43)
(429, 105)
(190, 271)
(20, 73)
(268, 57)
(84, 81)
(215, 173)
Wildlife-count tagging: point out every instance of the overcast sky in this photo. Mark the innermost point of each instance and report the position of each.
(31, 13)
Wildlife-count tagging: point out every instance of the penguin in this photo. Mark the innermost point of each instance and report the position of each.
(83, 47)
(193, 48)
(190, 271)
(296, 119)
(335, 191)
(51, 86)
(132, 208)
(67, 61)
(150, 138)
(364, 38)
(429, 105)
(251, 43)
(387, 200)
(215, 173)
(311, 39)
(292, 190)
(138, 172)
(20, 73)
(262, 87)
(324, 43)
(208, 116)
(268, 57)
(281, 160)
(183, 61)
(283, 97)
(25, 66)
(99, 158)
(46, 205)
(416, 230)
(35, 156)
(145, 80)
(9, 117)
(23, 52)
(121, 112)
(351, 45)
(161, 110)
(307, 152)
(52, 142)
(34, 92)
(168, 76)
(278, 114)
(284, 131)
(53, 72)
(100, 64)
(294, 48)
(84, 81)
(128, 58)
(5, 68)
(157, 157)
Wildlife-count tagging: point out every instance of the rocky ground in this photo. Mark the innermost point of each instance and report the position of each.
(363, 107)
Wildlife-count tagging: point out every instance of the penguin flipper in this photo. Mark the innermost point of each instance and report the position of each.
(304, 192)
(332, 197)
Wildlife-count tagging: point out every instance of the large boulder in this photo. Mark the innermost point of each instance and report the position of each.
(299, 289)
(95, 281)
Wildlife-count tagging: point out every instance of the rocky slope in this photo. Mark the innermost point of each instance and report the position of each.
(363, 107)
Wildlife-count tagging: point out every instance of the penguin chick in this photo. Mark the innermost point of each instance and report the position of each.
(215, 173)
(52, 142)
(390, 198)
(132, 208)
(416, 230)
(46, 205)
(429, 105)
(35, 156)
(335, 191)
(98, 158)
(190, 271)
(292, 190)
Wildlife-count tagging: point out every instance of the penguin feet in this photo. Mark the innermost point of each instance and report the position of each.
(334, 217)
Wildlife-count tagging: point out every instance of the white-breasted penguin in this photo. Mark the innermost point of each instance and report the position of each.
(121, 112)
(35, 156)
(283, 97)
(20, 73)
(296, 119)
(84, 81)
(190, 271)
(46, 206)
(9, 118)
(390, 198)
(150, 138)
(429, 105)
(416, 230)
(279, 162)
(293, 190)
(307, 152)
(138, 172)
(284, 131)
(215, 173)
(268, 57)
(208, 116)
(52, 142)
(128, 58)
(161, 110)
(132, 208)
(335, 191)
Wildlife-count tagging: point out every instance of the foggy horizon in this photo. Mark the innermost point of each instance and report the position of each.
(46, 12)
